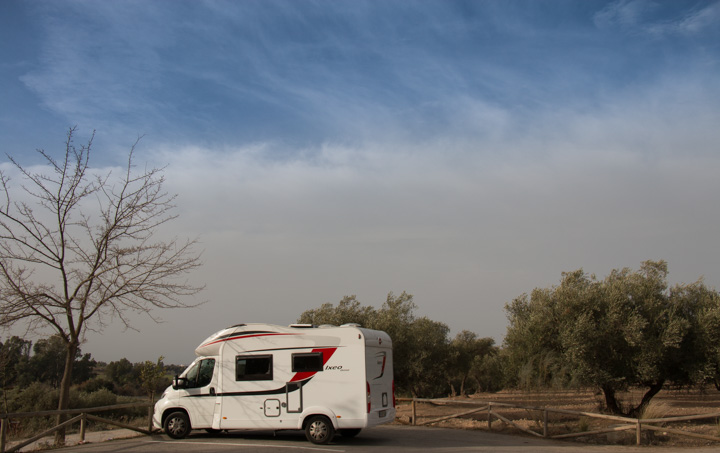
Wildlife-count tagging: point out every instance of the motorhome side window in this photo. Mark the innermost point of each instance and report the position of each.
(254, 368)
(312, 361)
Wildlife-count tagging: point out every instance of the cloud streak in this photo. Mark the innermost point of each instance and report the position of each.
(646, 16)
(261, 70)
(464, 230)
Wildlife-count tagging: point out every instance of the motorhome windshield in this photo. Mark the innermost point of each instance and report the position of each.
(199, 374)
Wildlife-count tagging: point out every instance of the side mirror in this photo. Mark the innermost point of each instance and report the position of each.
(178, 383)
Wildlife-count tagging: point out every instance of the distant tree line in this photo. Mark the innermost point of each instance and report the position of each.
(628, 330)
(18, 367)
(28, 370)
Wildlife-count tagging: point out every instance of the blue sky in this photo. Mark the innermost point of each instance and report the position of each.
(465, 152)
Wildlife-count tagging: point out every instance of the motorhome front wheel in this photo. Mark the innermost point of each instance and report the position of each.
(319, 430)
(177, 425)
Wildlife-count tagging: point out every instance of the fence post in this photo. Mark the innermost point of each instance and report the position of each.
(3, 432)
(490, 416)
(545, 423)
(83, 427)
(414, 412)
(638, 434)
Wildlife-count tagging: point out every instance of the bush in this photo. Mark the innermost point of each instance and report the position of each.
(38, 397)
(33, 398)
(130, 389)
(96, 384)
(98, 398)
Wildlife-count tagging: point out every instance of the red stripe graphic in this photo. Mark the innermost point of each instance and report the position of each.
(239, 336)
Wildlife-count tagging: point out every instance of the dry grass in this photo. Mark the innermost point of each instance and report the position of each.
(656, 409)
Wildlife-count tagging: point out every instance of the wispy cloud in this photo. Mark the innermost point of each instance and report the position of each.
(257, 70)
(642, 16)
(700, 20)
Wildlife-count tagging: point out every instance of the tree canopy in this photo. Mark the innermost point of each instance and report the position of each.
(629, 329)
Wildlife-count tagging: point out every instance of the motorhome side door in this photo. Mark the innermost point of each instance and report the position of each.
(293, 397)
(305, 366)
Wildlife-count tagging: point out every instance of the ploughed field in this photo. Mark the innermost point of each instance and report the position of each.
(668, 403)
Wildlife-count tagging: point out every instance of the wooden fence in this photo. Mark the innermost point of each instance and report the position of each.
(491, 408)
(623, 423)
(83, 416)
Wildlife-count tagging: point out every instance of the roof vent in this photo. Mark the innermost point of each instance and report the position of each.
(351, 324)
(302, 326)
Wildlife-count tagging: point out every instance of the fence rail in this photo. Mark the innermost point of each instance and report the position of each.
(83, 416)
(626, 423)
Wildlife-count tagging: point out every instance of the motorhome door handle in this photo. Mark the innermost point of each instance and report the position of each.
(212, 391)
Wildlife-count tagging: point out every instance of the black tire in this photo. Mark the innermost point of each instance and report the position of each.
(177, 425)
(319, 430)
(350, 432)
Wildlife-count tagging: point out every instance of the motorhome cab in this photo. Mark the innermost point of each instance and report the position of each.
(259, 376)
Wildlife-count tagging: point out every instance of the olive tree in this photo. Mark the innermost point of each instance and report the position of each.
(348, 310)
(78, 248)
(629, 329)
(467, 351)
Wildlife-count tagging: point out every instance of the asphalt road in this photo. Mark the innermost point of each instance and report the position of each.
(398, 438)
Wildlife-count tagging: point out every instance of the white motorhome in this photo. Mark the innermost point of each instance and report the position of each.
(321, 380)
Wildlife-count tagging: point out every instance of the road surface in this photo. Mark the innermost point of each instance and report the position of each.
(403, 439)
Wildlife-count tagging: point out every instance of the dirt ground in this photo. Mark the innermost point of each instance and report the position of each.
(668, 403)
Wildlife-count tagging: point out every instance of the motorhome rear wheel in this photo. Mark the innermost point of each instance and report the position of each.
(319, 430)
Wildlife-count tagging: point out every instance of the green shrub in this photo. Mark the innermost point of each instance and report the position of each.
(38, 397)
(130, 389)
(33, 398)
(98, 398)
(96, 384)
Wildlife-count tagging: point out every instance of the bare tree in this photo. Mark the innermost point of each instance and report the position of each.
(80, 250)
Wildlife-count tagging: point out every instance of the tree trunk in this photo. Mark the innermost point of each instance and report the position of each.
(652, 391)
(611, 402)
(64, 400)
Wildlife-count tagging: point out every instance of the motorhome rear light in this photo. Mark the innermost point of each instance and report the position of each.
(393, 393)
(368, 397)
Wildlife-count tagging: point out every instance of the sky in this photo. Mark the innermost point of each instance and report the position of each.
(465, 152)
